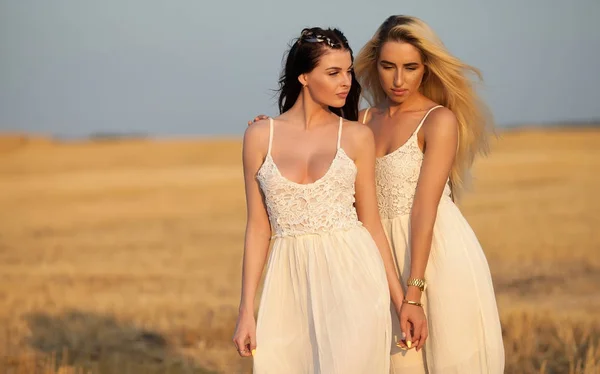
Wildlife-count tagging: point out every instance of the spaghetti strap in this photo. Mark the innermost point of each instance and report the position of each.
(270, 136)
(425, 117)
(364, 120)
(339, 140)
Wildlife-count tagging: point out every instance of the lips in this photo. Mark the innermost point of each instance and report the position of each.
(399, 91)
(343, 94)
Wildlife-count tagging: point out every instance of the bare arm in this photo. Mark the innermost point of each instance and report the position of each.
(368, 212)
(441, 138)
(258, 228)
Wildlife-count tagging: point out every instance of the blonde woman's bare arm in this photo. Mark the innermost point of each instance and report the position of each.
(440, 132)
(368, 214)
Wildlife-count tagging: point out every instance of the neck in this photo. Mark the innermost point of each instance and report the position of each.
(309, 112)
(411, 103)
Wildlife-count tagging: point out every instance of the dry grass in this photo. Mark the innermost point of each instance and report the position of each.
(124, 256)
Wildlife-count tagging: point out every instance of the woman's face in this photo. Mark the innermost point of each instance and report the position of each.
(330, 81)
(401, 69)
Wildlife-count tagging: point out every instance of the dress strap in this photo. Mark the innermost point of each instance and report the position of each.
(425, 117)
(270, 135)
(364, 120)
(339, 140)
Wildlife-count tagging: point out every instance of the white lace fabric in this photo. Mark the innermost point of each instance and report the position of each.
(321, 207)
(397, 175)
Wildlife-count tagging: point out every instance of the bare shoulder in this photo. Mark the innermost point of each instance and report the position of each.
(357, 131)
(441, 122)
(441, 116)
(358, 136)
(256, 136)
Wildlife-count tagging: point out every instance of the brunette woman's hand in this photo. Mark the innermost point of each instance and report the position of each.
(244, 337)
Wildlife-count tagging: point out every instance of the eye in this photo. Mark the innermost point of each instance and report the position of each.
(385, 67)
(333, 73)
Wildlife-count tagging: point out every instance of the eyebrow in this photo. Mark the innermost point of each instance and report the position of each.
(338, 68)
(391, 63)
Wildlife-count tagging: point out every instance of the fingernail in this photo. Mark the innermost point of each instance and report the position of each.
(253, 352)
(409, 344)
(403, 336)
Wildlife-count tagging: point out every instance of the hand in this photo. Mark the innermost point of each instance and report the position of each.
(401, 343)
(414, 316)
(245, 334)
(258, 118)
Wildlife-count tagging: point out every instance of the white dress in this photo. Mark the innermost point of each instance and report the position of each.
(325, 306)
(464, 327)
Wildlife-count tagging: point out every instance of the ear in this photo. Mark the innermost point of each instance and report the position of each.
(302, 79)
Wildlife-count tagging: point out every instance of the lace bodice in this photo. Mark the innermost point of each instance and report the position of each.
(397, 174)
(322, 206)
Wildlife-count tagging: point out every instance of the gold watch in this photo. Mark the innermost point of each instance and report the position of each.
(416, 282)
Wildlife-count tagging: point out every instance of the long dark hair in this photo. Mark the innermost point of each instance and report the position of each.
(303, 57)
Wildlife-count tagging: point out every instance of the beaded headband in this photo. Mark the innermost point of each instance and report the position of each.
(312, 37)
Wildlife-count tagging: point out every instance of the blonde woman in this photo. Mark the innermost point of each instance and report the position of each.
(429, 125)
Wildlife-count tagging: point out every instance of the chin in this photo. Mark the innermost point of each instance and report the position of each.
(338, 104)
(396, 100)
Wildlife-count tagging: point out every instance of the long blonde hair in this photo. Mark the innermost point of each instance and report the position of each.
(446, 82)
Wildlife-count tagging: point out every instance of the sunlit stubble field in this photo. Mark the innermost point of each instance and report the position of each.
(124, 256)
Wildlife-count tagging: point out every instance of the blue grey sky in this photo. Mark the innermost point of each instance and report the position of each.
(202, 67)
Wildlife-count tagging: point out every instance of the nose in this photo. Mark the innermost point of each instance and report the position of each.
(347, 82)
(398, 79)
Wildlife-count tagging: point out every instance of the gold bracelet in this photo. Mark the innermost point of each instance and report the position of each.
(410, 302)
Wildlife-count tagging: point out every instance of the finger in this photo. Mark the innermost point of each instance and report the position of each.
(405, 327)
(247, 344)
(245, 352)
(424, 335)
(408, 331)
(415, 343)
(242, 346)
(400, 342)
(252, 344)
(239, 346)
(416, 332)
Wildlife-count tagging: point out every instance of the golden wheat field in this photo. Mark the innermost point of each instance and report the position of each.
(123, 256)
